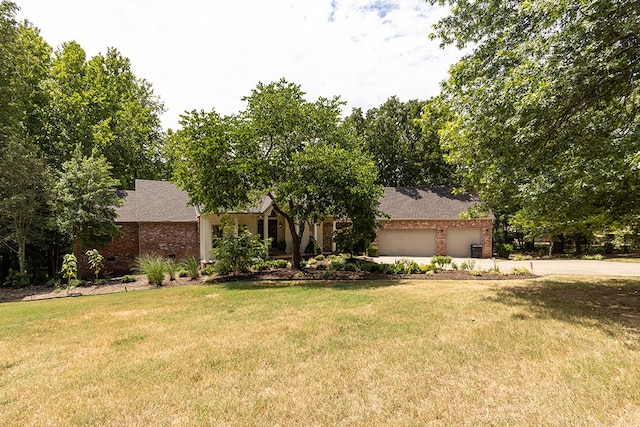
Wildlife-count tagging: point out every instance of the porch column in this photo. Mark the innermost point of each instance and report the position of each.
(333, 241)
(265, 231)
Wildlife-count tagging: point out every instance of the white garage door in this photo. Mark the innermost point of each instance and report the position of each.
(407, 242)
(459, 241)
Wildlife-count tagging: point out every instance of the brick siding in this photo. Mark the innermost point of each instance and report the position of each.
(175, 239)
(486, 225)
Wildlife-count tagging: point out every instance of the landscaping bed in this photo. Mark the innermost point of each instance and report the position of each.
(39, 292)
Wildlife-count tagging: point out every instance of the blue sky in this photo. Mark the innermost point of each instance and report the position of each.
(207, 55)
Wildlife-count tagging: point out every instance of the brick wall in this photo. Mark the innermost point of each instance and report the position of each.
(167, 239)
(486, 225)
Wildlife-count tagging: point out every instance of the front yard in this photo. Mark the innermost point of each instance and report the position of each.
(521, 352)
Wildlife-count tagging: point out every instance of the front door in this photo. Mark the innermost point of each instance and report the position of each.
(273, 232)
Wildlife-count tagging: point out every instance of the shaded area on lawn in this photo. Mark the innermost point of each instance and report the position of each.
(587, 302)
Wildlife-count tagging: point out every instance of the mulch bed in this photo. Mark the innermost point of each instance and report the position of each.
(40, 292)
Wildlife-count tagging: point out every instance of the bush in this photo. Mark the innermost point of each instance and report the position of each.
(16, 280)
(192, 267)
(522, 257)
(313, 248)
(372, 251)
(350, 267)
(151, 265)
(519, 271)
(428, 269)
(128, 279)
(238, 253)
(183, 273)
(280, 263)
(503, 250)
(207, 270)
(319, 257)
(404, 266)
(597, 257)
(441, 261)
(336, 262)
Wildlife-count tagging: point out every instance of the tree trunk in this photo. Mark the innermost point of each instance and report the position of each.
(22, 243)
(295, 238)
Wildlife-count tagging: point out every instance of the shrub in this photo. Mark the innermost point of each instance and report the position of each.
(207, 270)
(128, 279)
(503, 250)
(350, 267)
(519, 271)
(313, 248)
(183, 273)
(454, 266)
(476, 272)
(429, 269)
(280, 263)
(441, 261)
(16, 280)
(238, 253)
(153, 266)
(372, 251)
(597, 257)
(192, 267)
(312, 261)
(404, 266)
(336, 262)
(522, 257)
(319, 257)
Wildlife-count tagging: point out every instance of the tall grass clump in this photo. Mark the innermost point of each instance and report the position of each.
(192, 266)
(151, 265)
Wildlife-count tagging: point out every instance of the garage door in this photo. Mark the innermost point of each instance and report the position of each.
(407, 242)
(459, 241)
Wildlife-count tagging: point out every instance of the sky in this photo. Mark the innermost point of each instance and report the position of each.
(207, 55)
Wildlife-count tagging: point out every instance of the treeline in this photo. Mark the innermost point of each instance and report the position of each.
(72, 130)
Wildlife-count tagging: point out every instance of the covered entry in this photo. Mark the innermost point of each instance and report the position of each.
(459, 241)
(407, 242)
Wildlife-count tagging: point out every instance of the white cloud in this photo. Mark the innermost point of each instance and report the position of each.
(206, 54)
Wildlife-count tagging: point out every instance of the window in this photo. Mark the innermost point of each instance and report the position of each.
(216, 234)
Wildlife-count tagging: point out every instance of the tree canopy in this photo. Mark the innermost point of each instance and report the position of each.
(407, 152)
(545, 109)
(295, 151)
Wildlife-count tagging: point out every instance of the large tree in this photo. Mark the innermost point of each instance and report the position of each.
(102, 106)
(406, 152)
(282, 146)
(546, 108)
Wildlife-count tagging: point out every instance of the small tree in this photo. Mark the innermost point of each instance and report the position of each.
(95, 261)
(69, 269)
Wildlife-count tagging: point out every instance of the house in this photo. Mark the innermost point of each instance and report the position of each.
(422, 222)
(155, 218)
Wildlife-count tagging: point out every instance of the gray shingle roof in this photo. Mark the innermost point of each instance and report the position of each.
(425, 203)
(155, 201)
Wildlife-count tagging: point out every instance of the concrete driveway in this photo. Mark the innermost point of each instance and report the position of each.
(543, 267)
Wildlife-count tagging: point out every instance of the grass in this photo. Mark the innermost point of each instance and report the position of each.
(523, 352)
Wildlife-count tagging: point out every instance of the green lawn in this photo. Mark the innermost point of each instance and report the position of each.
(534, 352)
